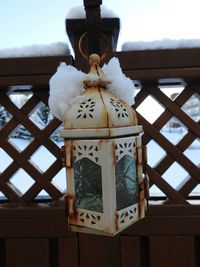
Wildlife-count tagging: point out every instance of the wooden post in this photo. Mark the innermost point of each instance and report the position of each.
(77, 27)
(93, 25)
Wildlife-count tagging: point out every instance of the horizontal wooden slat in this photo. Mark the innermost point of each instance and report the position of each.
(46, 220)
(34, 228)
(27, 80)
(27, 211)
(153, 75)
(26, 66)
(57, 210)
(50, 219)
(166, 225)
(159, 59)
(178, 210)
(31, 70)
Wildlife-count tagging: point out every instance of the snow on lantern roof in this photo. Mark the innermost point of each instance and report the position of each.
(161, 44)
(66, 86)
(98, 112)
(36, 50)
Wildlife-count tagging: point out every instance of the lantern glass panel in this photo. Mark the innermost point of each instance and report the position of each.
(88, 185)
(126, 182)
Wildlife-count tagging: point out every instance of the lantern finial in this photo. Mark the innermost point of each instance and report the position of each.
(94, 59)
(95, 77)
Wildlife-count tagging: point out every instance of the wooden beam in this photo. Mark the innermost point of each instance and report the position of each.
(93, 25)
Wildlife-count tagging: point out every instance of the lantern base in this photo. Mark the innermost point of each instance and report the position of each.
(85, 230)
(122, 219)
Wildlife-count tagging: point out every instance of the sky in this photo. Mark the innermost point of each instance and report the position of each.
(24, 23)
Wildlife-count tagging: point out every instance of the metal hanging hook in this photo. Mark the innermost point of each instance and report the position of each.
(86, 55)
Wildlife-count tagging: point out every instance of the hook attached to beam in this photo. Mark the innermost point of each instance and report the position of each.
(93, 25)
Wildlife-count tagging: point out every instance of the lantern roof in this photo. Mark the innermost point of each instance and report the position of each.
(98, 112)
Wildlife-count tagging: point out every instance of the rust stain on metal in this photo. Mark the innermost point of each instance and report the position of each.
(141, 200)
(116, 222)
(139, 155)
(106, 230)
(141, 189)
(68, 145)
(113, 154)
(71, 207)
(63, 156)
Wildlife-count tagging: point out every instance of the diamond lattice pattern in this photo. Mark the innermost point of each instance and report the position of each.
(27, 130)
(172, 138)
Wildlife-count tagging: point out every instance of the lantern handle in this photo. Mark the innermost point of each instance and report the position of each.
(81, 44)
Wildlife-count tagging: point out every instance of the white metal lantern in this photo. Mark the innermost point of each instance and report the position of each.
(103, 159)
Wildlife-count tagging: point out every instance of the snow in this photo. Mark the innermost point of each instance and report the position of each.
(161, 44)
(36, 50)
(61, 48)
(78, 12)
(121, 85)
(66, 86)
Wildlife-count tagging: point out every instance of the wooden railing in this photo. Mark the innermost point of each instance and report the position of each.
(33, 224)
(145, 67)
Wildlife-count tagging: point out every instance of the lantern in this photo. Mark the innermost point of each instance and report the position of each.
(103, 159)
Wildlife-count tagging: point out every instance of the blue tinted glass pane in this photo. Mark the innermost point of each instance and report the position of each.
(88, 185)
(126, 182)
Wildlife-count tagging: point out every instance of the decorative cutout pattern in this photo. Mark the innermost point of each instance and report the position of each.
(86, 109)
(90, 219)
(85, 149)
(119, 108)
(125, 146)
(127, 216)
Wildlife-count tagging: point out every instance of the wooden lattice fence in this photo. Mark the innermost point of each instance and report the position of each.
(169, 235)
